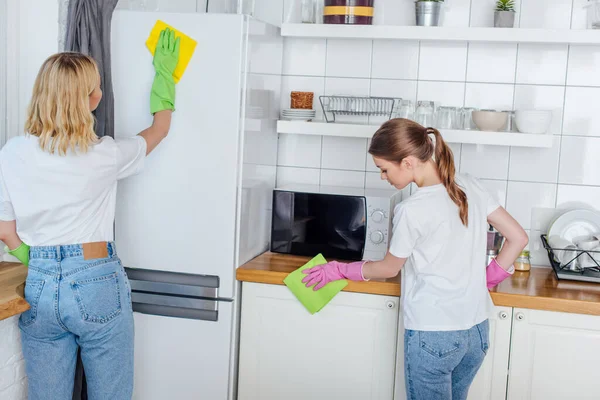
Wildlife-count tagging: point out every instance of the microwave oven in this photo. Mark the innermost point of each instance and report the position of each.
(338, 222)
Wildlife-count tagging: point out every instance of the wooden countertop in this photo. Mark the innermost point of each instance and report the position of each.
(12, 283)
(538, 289)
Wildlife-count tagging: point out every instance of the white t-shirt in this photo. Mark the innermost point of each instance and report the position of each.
(444, 280)
(59, 200)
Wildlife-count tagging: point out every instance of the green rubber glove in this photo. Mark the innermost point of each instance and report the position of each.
(21, 252)
(165, 60)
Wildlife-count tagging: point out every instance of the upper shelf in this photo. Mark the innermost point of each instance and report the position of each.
(450, 136)
(446, 34)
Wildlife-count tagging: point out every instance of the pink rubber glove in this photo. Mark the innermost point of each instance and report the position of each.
(321, 275)
(496, 274)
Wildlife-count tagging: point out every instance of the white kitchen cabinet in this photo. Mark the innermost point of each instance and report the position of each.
(346, 351)
(490, 382)
(554, 356)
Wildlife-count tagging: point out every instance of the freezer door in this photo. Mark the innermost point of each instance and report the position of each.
(178, 358)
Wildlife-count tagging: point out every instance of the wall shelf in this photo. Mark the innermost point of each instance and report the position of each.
(451, 136)
(446, 34)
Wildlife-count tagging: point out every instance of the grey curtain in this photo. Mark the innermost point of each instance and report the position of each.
(88, 32)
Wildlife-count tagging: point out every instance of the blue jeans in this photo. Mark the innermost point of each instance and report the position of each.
(441, 365)
(77, 303)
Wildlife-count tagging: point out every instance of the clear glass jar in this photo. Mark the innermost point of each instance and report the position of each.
(523, 262)
(425, 112)
(308, 11)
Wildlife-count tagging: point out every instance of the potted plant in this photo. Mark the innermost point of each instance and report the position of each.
(428, 12)
(504, 16)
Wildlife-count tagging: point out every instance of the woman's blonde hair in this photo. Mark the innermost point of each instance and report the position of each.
(59, 112)
(399, 138)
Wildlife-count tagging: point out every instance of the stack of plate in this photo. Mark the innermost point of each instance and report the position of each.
(298, 114)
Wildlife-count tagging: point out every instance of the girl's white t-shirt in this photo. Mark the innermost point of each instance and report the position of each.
(71, 199)
(444, 279)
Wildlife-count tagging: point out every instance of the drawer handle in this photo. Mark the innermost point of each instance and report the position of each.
(390, 304)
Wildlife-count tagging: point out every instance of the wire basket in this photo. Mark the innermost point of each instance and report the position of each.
(571, 266)
(351, 105)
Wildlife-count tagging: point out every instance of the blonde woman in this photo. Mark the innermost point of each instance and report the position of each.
(57, 194)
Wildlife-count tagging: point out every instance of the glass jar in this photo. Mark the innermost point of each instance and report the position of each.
(308, 11)
(424, 114)
(523, 262)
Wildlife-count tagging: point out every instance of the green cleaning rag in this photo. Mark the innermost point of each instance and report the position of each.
(313, 300)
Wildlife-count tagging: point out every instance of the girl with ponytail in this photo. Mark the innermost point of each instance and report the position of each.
(439, 233)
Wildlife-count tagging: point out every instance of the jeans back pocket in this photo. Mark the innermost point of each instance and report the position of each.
(98, 298)
(440, 344)
(33, 292)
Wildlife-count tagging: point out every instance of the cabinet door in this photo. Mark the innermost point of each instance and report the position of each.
(346, 351)
(490, 382)
(554, 356)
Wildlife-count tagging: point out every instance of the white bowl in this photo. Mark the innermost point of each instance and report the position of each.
(490, 120)
(533, 121)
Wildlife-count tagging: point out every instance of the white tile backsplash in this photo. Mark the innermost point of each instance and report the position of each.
(521, 197)
(349, 58)
(395, 59)
(491, 62)
(581, 111)
(333, 177)
(584, 64)
(446, 93)
(443, 61)
(344, 153)
(542, 64)
(394, 12)
(293, 175)
(534, 165)
(501, 76)
(549, 14)
(489, 96)
(304, 56)
(570, 196)
(299, 151)
(487, 162)
(579, 161)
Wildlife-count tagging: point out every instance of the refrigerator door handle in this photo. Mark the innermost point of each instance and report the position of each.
(174, 294)
(175, 306)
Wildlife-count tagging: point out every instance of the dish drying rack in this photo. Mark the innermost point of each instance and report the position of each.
(566, 271)
(353, 105)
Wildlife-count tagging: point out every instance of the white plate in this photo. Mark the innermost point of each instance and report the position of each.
(575, 223)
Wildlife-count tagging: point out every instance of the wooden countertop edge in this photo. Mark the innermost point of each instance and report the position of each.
(545, 303)
(276, 278)
(12, 285)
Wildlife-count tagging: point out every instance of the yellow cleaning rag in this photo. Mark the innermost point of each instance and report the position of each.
(187, 46)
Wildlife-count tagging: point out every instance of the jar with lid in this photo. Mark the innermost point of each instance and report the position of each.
(523, 262)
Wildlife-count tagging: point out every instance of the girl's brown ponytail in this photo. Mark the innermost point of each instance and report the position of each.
(445, 163)
(399, 138)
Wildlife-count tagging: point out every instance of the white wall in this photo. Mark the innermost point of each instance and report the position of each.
(503, 76)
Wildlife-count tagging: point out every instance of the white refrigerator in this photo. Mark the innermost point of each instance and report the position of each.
(201, 206)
